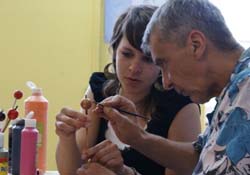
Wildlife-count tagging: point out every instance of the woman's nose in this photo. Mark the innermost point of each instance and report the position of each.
(136, 67)
(166, 81)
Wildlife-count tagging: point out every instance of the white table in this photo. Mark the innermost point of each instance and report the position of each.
(49, 173)
(52, 173)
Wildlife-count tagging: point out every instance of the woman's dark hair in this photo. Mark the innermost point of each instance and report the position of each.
(132, 24)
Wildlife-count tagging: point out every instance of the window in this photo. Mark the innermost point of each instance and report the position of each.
(236, 14)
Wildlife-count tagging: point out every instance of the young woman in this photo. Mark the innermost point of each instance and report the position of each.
(134, 76)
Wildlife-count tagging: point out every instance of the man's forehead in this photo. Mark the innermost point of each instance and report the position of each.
(154, 44)
(154, 37)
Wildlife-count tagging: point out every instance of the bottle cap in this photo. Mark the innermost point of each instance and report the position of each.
(17, 121)
(30, 123)
(34, 88)
(30, 115)
(31, 85)
(37, 91)
(1, 139)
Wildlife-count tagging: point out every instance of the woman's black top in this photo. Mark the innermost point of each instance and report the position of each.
(168, 103)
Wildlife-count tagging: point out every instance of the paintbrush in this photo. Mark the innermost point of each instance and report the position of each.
(125, 112)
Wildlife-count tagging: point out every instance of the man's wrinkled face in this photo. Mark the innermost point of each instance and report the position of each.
(179, 69)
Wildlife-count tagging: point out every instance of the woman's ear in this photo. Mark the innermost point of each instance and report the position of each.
(197, 43)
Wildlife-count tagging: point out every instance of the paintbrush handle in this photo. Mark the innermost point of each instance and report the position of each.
(125, 112)
(130, 113)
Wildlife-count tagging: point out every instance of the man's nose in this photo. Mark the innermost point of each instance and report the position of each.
(166, 81)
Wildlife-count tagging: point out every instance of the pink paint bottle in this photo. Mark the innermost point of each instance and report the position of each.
(29, 140)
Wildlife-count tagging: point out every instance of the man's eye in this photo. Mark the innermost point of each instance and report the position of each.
(160, 62)
(147, 59)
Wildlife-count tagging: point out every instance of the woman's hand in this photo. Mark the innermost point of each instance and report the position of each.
(107, 154)
(68, 121)
(94, 169)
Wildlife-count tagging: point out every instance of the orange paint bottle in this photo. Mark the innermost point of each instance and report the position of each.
(39, 104)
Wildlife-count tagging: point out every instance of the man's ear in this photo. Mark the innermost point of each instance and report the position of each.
(197, 43)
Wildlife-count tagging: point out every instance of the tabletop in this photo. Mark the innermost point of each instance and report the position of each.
(49, 173)
(52, 173)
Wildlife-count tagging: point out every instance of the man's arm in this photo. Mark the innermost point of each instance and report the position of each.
(178, 156)
(174, 155)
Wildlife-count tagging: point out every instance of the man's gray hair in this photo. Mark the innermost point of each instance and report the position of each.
(175, 19)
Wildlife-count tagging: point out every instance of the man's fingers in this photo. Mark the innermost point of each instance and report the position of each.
(119, 102)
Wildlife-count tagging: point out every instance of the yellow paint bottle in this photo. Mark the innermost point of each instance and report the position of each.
(3, 156)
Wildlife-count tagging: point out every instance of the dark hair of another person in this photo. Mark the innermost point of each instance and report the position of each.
(132, 24)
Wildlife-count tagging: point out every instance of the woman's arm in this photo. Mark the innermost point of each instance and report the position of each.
(185, 127)
(67, 154)
(94, 169)
(70, 127)
(68, 158)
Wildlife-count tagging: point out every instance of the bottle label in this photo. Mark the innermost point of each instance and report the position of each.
(40, 134)
(3, 166)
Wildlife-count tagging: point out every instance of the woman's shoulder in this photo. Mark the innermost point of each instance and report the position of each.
(96, 82)
(168, 97)
(97, 77)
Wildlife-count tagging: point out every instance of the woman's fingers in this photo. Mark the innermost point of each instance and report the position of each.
(94, 169)
(107, 154)
(61, 127)
(112, 161)
(110, 151)
(91, 152)
(68, 121)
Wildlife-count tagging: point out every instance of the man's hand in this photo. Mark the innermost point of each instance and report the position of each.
(125, 126)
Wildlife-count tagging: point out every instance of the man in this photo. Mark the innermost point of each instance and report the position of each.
(198, 56)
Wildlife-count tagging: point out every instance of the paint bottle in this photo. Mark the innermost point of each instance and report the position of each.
(12, 123)
(16, 143)
(29, 137)
(14, 148)
(3, 156)
(39, 104)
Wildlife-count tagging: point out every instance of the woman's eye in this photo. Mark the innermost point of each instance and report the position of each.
(127, 54)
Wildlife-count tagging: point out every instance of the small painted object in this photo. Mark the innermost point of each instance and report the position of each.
(2, 115)
(12, 114)
(86, 104)
(18, 94)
